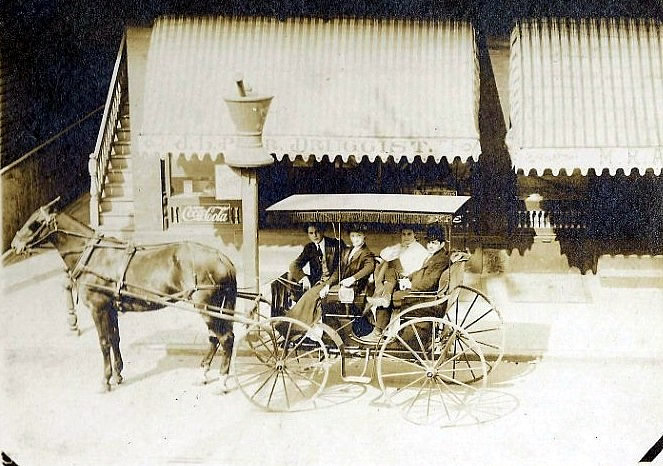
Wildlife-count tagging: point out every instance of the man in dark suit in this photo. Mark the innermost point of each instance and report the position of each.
(427, 278)
(321, 254)
(356, 265)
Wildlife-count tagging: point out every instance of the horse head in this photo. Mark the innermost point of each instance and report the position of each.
(37, 229)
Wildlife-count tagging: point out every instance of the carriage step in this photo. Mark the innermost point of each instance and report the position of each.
(117, 206)
(124, 121)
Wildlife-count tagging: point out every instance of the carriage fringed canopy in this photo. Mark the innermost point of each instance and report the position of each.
(349, 88)
(586, 94)
(369, 208)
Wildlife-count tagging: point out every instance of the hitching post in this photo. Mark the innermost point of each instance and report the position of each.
(248, 112)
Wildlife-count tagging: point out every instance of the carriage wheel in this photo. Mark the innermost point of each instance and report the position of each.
(259, 313)
(419, 375)
(281, 369)
(475, 313)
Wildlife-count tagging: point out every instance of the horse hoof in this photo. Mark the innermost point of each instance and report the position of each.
(105, 387)
(206, 377)
(118, 379)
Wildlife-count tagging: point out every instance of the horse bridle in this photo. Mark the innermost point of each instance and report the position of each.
(49, 222)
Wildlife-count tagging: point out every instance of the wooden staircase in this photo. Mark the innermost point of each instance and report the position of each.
(116, 216)
(110, 165)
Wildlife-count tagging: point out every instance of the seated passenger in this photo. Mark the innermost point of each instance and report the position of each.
(427, 278)
(405, 257)
(356, 265)
(321, 255)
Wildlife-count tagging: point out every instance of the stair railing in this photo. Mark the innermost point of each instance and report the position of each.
(100, 158)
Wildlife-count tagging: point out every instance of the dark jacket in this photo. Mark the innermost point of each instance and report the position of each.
(360, 267)
(311, 257)
(427, 278)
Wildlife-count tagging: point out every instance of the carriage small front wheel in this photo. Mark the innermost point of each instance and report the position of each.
(281, 364)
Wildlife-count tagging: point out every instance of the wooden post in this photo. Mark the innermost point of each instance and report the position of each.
(72, 318)
(250, 228)
(94, 191)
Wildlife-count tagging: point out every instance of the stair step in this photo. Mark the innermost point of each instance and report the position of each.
(118, 176)
(117, 207)
(126, 234)
(115, 223)
(123, 134)
(121, 162)
(121, 148)
(113, 191)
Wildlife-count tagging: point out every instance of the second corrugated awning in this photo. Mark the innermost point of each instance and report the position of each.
(585, 94)
(345, 88)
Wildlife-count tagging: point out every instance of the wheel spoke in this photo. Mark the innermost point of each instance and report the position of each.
(411, 350)
(428, 401)
(479, 318)
(476, 296)
(304, 355)
(452, 380)
(417, 395)
(483, 330)
(255, 376)
(444, 403)
(421, 344)
(303, 376)
(400, 374)
(265, 345)
(453, 394)
(397, 359)
(285, 341)
(477, 354)
(285, 390)
(399, 389)
(294, 382)
(271, 393)
(262, 385)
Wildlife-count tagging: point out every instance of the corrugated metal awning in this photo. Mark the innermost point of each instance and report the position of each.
(586, 94)
(343, 87)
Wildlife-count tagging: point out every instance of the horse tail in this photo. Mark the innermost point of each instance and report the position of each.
(228, 282)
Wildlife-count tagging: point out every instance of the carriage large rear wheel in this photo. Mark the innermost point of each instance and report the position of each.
(475, 313)
(280, 365)
(419, 375)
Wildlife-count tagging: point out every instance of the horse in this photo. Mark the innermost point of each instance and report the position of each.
(112, 275)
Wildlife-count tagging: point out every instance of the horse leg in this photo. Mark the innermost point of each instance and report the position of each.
(118, 365)
(206, 363)
(227, 342)
(102, 322)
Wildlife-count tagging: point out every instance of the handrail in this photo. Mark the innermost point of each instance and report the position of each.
(109, 97)
(100, 158)
(33, 151)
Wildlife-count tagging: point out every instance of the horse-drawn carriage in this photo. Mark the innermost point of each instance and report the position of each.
(437, 351)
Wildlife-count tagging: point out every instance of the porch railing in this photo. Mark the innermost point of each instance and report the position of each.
(554, 220)
(100, 158)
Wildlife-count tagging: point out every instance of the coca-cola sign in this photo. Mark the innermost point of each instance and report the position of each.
(206, 214)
